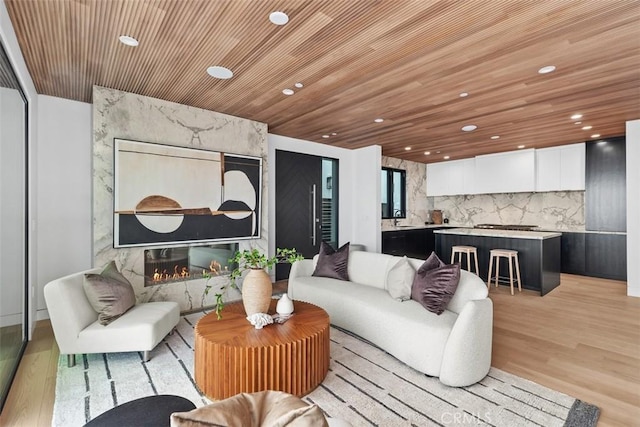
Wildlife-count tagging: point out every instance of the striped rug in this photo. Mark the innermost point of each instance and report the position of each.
(364, 386)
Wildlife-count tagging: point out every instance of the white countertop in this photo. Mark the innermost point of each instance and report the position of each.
(586, 231)
(511, 234)
(401, 227)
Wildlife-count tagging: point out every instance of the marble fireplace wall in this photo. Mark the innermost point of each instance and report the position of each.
(417, 211)
(118, 114)
(555, 210)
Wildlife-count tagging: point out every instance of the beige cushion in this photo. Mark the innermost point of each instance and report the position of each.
(109, 293)
(262, 409)
(400, 279)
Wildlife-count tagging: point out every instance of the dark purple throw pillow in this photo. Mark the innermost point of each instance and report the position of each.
(432, 262)
(333, 263)
(434, 288)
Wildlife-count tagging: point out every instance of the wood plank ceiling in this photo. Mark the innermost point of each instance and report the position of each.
(405, 61)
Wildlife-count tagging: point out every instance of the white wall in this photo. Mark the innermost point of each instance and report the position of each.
(366, 205)
(633, 207)
(10, 43)
(64, 152)
(350, 185)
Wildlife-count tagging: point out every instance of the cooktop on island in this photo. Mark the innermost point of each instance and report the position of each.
(518, 227)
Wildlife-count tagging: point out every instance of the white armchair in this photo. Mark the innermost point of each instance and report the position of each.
(77, 330)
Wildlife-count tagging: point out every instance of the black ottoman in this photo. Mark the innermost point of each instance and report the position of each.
(150, 411)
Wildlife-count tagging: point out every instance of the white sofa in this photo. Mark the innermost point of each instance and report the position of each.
(78, 331)
(454, 346)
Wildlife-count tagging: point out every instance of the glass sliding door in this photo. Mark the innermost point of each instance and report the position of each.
(13, 216)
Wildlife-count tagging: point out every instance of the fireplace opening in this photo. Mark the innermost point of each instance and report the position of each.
(168, 265)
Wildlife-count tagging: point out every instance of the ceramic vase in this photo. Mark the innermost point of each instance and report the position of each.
(256, 291)
(284, 306)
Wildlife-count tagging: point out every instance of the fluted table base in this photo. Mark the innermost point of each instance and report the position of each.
(232, 357)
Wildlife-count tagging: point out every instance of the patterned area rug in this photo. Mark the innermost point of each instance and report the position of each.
(364, 386)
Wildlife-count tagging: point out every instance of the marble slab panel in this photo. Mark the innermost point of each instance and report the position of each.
(416, 173)
(118, 114)
(556, 210)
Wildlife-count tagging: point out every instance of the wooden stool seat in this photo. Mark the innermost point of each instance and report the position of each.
(512, 258)
(459, 250)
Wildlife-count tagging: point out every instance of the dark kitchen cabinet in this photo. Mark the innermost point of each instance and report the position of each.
(606, 185)
(414, 243)
(595, 254)
(394, 242)
(606, 255)
(572, 253)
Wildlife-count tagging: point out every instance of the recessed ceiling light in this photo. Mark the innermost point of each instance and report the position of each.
(586, 127)
(220, 72)
(577, 123)
(334, 133)
(595, 135)
(278, 18)
(288, 91)
(447, 157)
(547, 69)
(325, 136)
(469, 128)
(576, 116)
(437, 152)
(495, 137)
(521, 146)
(298, 85)
(427, 153)
(378, 120)
(407, 148)
(128, 40)
(464, 94)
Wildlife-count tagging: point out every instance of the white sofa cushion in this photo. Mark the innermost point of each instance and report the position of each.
(399, 280)
(143, 327)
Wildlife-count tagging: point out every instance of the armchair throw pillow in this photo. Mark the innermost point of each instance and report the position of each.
(109, 293)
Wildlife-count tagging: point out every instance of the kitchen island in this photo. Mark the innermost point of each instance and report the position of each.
(538, 252)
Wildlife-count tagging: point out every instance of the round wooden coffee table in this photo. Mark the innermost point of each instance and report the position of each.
(232, 357)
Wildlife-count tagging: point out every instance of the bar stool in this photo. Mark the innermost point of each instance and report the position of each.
(509, 255)
(459, 250)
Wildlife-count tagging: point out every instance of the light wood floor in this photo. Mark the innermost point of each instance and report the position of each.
(582, 339)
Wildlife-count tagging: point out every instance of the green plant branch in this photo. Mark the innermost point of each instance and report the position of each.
(247, 260)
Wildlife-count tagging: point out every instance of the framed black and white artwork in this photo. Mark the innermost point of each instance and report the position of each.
(169, 195)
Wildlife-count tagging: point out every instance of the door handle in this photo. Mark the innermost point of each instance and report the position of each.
(313, 215)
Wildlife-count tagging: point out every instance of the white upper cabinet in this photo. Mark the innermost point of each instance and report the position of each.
(560, 168)
(511, 172)
(548, 169)
(451, 178)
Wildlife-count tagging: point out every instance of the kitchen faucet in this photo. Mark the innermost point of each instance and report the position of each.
(396, 214)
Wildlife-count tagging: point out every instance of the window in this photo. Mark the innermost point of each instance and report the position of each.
(393, 185)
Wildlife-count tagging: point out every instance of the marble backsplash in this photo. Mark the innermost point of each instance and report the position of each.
(118, 114)
(417, 210)
(556, 210)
